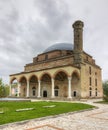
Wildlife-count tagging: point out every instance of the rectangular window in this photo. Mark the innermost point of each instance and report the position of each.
(87, 58)
(96, 93)
(90, 81)
(56, 92)
(90, 93)
(90, 70)
(95, 73)
(95, 82)
(46, 57)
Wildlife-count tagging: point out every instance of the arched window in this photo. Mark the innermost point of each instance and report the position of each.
(90, 91)
(95, 82)
(96, 92)
(90, 81)
(90, 70)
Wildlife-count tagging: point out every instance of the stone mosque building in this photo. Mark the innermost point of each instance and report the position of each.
(62, 71)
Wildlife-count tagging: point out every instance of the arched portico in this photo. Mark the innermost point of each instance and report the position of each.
(14, 79)
(58, 82)
(22, 85)
(75, 84)
(46, 85)
(61, 71)
(14, 87)
(61, 80)
(33, 86)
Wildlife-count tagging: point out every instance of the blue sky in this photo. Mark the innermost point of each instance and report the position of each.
(28, 27)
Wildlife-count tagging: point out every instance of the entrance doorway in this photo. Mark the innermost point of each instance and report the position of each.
(45, 93)
(74, 93)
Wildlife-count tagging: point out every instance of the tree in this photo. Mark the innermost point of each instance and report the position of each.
(105, 90)
(4, 89)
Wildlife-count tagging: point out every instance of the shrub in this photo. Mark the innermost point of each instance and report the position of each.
(105, 90)
(4, 89)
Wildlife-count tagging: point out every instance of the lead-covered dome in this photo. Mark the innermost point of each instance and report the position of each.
(60, 46)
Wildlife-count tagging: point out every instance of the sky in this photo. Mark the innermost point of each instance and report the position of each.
(28, 27)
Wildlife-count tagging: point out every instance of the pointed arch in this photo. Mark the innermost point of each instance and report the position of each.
(45, 73)
(22, 78)
(75, 78)
(61, 71)
(61, 82)
(32, 78)
(33, 75)
(56, 87)
(14, 78)
(76, 74)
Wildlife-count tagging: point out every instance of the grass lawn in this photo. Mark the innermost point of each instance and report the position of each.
(10, 114)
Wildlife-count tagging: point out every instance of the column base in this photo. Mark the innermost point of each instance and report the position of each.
(38, 96)
(69, 97)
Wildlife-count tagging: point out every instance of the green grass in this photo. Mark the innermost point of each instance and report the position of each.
(10, 114)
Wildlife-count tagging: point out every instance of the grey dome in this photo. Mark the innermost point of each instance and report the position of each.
(60, 46)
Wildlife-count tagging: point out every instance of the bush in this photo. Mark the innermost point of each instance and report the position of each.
(4, 89)
(105, 90)
(105, 98)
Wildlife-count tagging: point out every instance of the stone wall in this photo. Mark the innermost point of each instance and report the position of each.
(96, 81)
(51, 55)
(50, 64)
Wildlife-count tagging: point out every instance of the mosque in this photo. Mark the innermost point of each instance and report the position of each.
(62, 71)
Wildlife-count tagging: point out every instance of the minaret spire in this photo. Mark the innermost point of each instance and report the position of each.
(78, 41)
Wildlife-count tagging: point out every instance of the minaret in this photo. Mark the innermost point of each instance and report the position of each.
(78, 41)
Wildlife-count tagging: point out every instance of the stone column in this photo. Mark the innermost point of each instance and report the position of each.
(39, 87)
(10, 90)
(28, 86)
(52, 88)
(69, 87)
(18, 92)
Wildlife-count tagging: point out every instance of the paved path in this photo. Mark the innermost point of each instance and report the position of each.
(96, 119)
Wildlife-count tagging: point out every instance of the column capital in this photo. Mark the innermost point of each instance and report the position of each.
(52, 79)
(69, 78)
(39, 81)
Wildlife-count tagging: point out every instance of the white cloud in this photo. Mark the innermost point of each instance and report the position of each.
(27, 27)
